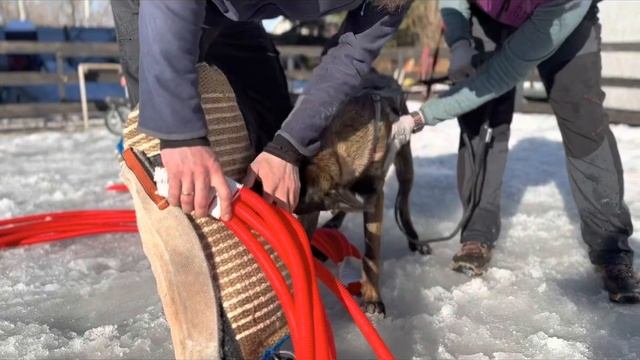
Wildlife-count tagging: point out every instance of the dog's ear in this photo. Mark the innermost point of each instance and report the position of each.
(343, 199)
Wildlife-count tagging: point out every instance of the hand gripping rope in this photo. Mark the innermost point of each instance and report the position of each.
(311, 332)
(310, 329)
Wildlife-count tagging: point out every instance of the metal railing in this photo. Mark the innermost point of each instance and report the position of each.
(61, 51)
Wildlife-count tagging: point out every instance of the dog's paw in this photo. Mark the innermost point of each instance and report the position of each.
(421, 249)
(374, 309)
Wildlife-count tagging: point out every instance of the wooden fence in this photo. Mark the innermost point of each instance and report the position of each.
(631, 117)
(61, 51)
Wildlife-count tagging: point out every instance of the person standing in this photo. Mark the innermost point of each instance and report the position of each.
(562, 39)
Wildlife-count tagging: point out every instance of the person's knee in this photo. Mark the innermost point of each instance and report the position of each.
(501, 133)
(577, 100)
(584, 128)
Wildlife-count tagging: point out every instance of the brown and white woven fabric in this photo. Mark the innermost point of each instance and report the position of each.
(249, 307)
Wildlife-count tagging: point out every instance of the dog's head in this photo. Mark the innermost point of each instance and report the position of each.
(319, 192)
(355, 139)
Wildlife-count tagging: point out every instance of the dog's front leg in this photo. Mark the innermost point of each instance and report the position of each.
(372, 301)
(309, 222)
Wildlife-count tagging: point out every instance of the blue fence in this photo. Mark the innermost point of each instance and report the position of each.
(46, 63)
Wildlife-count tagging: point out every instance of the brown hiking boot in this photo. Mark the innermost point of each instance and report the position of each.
(622, 283)
(472, 259)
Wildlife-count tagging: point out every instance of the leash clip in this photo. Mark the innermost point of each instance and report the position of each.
(489, 135)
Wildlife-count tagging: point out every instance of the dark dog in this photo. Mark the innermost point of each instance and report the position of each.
(348, 174)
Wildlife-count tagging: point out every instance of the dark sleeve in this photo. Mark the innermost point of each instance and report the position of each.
(169, 100)
(338, 76)
(533, 42)
(456, 16)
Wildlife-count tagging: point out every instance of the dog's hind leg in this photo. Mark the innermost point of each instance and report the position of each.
(336, 220)
(372, 301)
(404, 173)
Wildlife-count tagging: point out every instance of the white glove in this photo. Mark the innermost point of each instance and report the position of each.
(460, 65)
(401, 130)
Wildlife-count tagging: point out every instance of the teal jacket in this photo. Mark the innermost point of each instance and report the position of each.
(533, 42)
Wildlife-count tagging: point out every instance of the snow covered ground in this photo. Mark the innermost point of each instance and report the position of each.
(95, 298)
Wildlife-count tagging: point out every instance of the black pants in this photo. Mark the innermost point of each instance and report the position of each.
(572, 77)
(242, 50)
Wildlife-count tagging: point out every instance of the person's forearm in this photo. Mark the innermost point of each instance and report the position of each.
(456, 16)
(169, 100)
(339, 76)
(535, 41)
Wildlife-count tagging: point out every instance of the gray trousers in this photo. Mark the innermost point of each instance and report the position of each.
(572, 77)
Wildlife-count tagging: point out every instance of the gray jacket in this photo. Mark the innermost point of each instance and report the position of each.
(169, 46)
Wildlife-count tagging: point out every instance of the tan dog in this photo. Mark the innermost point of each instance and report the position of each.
(348, 174)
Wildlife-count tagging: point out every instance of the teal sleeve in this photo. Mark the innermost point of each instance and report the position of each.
(456, 16)
(535, 41)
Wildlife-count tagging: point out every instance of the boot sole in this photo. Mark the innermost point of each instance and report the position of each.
(624, 298)
(468, 269)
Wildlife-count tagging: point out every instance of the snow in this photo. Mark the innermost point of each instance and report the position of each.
(95, 298)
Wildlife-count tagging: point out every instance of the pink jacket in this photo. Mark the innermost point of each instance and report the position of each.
(509, 12)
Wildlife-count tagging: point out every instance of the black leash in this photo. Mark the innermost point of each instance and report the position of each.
(479, 160)
(479, 174)
(435, 80)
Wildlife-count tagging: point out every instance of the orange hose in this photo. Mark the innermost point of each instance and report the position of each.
(117, 188)
(321, 321)
(34, 229)
(273, 275)
(282, 243)
(64, 215)
(309, 326)
(366, 328)
(75, 234)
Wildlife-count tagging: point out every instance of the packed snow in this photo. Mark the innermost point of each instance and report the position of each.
(96, 298)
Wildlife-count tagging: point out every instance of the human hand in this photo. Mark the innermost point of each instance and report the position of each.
(195, 177)
(402, 129)
(461, 65)
(280, 180)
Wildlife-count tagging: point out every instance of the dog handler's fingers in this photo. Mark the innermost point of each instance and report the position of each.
(288, 197)
(203, 193)
(294, 195)
(174, 189)
(249, 178)
(266, 195)
(281, 197)
(296, 189)
(223, 193)
(187, 193)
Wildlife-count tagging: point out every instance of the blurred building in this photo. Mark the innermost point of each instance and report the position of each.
(620, 25)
